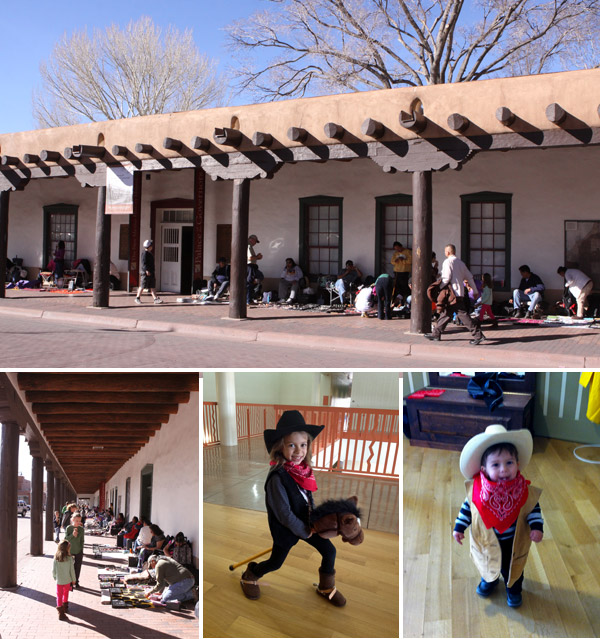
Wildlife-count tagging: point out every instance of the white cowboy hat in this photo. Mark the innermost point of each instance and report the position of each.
(470, 457)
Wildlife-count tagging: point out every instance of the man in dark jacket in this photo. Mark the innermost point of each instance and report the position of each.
(531, 289)
(147, 273)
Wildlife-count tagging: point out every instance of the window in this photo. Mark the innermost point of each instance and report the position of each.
(394, 224)
(486, 236)
(60, 223)
(321, 235)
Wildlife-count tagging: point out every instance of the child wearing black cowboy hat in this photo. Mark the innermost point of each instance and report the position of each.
(289, 487)
(501, 507)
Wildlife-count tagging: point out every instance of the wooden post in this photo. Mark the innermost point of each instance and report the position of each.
(239, 248)
(50, 506)
(58, 496)
(420, 310)
(102, 267)
(4, 199)
(199, 189)
(134, 232)
(36, 540)
(9, 463)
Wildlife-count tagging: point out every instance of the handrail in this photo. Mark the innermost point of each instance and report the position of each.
(362, 441)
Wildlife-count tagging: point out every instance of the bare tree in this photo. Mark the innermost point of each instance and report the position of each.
(123, 73)
(314, 46)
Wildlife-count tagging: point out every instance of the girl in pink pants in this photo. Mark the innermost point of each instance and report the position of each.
(63, 572)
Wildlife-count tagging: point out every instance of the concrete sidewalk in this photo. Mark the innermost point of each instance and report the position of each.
(29, 611)
(512, 344)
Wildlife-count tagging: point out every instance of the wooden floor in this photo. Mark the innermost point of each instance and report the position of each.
(561, 591)
(367, 575)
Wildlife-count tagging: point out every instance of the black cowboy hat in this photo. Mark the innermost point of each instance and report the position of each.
(291, 421)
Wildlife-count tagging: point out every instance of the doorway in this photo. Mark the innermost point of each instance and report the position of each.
(176, 253)
(146, 492)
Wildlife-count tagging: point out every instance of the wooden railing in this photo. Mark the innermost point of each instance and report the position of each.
(361, 441)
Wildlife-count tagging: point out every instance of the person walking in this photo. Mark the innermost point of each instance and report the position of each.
(147, 273)
(454, 275)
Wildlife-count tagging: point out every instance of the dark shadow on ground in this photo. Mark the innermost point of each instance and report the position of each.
(96, 620)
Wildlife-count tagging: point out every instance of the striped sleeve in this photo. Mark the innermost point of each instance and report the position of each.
(463, 519)
(535, 519)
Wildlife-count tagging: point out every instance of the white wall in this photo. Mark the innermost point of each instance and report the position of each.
(173, 451)
(548, 186)
(375, 390)
(287, 388)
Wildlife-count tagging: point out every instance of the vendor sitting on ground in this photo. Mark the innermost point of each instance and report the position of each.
(129, 531)
(219, 281)
(350, 275)
(531, 289)
(156, 543)
(290, 281)
(174, 581)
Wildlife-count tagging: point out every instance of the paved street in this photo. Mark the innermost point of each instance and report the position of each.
(29, 612)
(56, 330)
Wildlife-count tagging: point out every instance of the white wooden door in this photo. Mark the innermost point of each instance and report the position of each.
(170, 274)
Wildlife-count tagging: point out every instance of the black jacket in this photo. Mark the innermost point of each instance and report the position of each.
(282, 535)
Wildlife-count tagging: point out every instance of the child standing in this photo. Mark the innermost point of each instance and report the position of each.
(75, 536)
(57, 526)
(289, 487)
(487, 297)
(63, 572)
(501, 507)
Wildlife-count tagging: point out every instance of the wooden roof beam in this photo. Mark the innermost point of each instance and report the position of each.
(227, 137)
(414, 121)
(105, 397)
(199, 143)
(120, 382)
(105, 418)
(50, 156)
(31, 158)
(262, 139)
(458, 122)
(95, 408)
(372, 128)
(101, 427)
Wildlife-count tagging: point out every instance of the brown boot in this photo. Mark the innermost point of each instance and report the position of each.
(66, 606)
(249, 582)
(61, 613)
(327, 589)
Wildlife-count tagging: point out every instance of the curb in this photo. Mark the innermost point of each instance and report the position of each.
(472, 355)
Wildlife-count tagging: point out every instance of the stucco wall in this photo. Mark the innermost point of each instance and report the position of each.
(173, 451)
(547, 187)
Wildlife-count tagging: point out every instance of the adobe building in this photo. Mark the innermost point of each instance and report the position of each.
(505, 169)
(129, 440)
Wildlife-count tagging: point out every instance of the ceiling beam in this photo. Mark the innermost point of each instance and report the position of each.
(109, 397)
(120, 382)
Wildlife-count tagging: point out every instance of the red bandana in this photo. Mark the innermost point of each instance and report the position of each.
(302, 474)
(499, 502)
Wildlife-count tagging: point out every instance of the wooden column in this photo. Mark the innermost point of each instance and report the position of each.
(4, 198)
(36, 540)
(134, 232)
(420, 309)
(58, 498)
(102, 266)
(199, 189)
(239, 248)
(9, 463)
(50, 506)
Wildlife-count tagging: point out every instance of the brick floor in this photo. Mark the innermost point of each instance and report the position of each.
(29, 612)
(511, 344)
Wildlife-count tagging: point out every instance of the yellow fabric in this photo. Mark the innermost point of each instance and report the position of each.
(402, 265)
(485, 547)
(593, 410)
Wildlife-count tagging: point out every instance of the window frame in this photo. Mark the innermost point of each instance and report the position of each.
(489, 197)
(305, 203)
(61, 209)
(381, 201)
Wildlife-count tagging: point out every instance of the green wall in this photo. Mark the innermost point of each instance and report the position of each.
(560, 405)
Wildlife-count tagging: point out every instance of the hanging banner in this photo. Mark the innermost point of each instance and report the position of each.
(119, 190)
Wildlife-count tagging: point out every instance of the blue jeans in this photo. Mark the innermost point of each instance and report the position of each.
(520, 297)
(181, 591)
(340, 287)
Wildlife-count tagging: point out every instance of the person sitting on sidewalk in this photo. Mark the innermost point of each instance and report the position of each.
(531, 289)
(351, 275)
(580, 286)
(156, 544)
(219, 281)
(289, 281)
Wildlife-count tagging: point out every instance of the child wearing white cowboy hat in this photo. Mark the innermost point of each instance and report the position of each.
(289, 487)
(501, 507)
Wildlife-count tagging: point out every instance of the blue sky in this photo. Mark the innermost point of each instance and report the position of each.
(30, 30)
